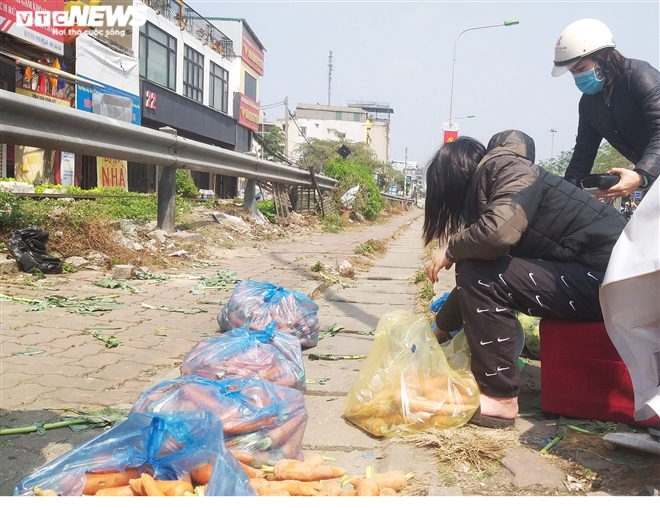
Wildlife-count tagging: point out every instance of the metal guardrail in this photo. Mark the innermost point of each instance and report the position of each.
(31, 122)
(391, 197)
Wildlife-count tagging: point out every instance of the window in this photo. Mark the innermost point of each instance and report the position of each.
(219, 81)
(193, 74)
(337, 115)
(356, 117)
(157, 56)
(250, 86)
(303, 131)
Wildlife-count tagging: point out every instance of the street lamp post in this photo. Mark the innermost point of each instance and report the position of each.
(451, 101)
(552, 147)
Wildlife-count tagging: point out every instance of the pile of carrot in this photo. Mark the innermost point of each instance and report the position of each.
(268, 355)
(417, 404)
(258, 416)
(257, 304)
(311, 477)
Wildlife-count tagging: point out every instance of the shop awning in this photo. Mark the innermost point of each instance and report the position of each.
(60, 73)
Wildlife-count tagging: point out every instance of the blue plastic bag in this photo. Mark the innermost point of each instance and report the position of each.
(257, 304)
(435, 306)
(165, 445)
(258, 416)
(258, 354)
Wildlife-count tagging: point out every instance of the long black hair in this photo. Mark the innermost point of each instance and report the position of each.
(448, 177)
(613, 62)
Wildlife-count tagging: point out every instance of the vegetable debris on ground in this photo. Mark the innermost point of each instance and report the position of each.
(151, 276)
(223, 279)
(109, 340)
(337, 281)
(30, 351)
(194, 310)
(331, 332)
(89, 305)
(82, 421)
(334, 358)
(110, 283)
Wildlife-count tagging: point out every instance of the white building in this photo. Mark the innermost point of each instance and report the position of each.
(357, 123)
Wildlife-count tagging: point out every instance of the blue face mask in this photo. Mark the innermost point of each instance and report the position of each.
(591, 81)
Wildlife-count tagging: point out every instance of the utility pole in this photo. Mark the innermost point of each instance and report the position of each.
(552, 149)
(405, 174)
(286, 127)
(329, 75)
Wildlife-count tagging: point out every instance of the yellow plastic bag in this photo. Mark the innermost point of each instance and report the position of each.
(406, 384)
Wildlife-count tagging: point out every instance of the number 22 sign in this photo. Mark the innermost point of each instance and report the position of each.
(151, 100)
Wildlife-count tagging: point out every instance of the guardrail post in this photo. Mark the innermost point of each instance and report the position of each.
(166, 195)
(249, 195)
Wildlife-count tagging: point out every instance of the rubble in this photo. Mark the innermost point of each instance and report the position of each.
(122, 272)
(8, 266)
(158, 235)
(76, 261)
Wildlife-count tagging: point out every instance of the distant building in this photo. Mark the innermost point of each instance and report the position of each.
(359, 122)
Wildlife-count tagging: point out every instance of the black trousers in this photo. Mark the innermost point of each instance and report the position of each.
(487, 291)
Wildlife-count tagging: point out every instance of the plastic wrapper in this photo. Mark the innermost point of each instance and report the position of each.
(259, 354)
(258, 416)
(530, 326)
(166, 445)
(257, 304)
(407, 385)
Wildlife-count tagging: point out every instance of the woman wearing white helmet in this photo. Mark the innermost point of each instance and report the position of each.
(620, 103)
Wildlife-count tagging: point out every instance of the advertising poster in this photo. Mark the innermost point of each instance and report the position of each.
(67, 169)
(112, 173)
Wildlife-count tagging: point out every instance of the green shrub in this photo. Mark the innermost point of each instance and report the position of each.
(185, 185)
(333, 223)
(267, 208)
(368, 201)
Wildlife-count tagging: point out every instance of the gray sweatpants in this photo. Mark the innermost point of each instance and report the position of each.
(487, 291)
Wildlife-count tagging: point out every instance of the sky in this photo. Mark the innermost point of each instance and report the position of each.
(400, 52)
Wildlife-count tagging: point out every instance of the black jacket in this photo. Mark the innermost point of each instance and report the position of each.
(630, 122)
(516, 207)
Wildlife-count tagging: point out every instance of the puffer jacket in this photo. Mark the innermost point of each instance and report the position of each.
(516, 207)
(629, 121)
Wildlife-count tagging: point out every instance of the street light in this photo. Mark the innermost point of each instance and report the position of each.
(552, 148)
(451, 102)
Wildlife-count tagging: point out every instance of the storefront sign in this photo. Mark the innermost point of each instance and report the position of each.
(44, 97)
(248, 113)
(67, 168)
(150, 98)
(112, 173)
(47, 37)
(100, 101)
(252, 55)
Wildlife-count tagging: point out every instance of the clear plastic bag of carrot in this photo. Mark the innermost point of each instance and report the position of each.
(257, 304)
(408, 384)
(147, 454)
(258, 354)
(259, 417)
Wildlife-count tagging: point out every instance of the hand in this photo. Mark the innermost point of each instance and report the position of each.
(630, 181)
(436, 264)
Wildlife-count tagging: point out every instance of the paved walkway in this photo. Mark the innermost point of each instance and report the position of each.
(75, 369)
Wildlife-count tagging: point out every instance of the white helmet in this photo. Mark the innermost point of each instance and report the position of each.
(578, 40)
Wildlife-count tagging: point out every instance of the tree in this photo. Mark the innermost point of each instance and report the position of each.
(349, 174)
(317, 154)
(606, 159)
(273, 144)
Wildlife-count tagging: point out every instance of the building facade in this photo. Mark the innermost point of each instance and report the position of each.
(358, 123)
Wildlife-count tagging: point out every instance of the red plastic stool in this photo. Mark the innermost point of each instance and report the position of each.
(583, 376)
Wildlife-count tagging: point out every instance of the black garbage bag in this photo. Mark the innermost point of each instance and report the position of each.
(28, 247)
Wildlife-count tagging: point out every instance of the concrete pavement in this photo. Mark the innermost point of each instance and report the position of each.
(75, 369)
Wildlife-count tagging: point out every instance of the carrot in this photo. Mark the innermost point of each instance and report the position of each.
(295, 488)
(150, 486)
(243, 456)
(252, 472)
(331, 489)
(241, 426)
(368, 487)
(126, 490)
(396, 479)
(283, 432)
(287, 469)
(201, 474)
(97, 481)
(38, 492)
(350, 493)
(315, 459)
(386, 491)
(174, 487)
